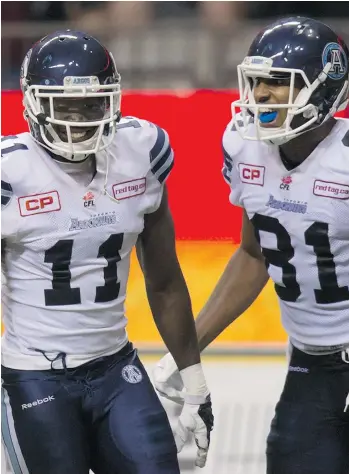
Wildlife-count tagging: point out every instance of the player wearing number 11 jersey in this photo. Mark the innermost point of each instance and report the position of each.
(78, 193)
(286, 160)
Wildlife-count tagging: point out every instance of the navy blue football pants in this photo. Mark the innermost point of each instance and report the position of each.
(310, 431)
(103, 415)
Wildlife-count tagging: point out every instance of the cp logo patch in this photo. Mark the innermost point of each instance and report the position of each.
(131, 374)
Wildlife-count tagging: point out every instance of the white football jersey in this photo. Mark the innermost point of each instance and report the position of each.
(301, 220)
(68, 246)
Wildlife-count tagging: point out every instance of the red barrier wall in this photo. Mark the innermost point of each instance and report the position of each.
(195, 121)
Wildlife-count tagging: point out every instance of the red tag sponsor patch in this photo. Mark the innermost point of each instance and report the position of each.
(129, 189)
(331, 190)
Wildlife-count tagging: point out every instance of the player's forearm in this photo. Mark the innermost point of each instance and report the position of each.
(172, 312)
(238, 287)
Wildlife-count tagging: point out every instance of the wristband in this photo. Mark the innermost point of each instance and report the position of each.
(194, 383)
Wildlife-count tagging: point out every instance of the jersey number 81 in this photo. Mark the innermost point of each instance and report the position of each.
(315, 236)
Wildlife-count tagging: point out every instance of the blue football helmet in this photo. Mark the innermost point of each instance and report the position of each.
(313, 58)
(71, 94)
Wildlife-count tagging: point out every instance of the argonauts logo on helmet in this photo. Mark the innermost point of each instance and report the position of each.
(334, 53)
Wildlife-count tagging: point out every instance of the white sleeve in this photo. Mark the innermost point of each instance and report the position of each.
(161, 163)
(230, 147)
(10, 223)
(9, 216)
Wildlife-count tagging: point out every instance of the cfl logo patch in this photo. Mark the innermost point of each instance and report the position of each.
(89, 199)
(131, 374)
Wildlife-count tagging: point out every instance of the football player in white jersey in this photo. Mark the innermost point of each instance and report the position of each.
(79, 191)
(286, 160)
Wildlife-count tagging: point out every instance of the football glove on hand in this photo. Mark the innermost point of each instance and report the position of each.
(196, 418)
(187, 387)
(167, 379)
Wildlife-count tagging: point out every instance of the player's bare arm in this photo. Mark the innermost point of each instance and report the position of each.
(166, 288)
(241, 282)
(171, 307)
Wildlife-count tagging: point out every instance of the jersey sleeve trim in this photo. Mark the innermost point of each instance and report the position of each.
(8, 137)
(6, 193)
(15, 147)
(161, 156)
(228, 166)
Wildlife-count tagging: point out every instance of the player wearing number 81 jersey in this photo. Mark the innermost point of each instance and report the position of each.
(286, 161)
(79, 192)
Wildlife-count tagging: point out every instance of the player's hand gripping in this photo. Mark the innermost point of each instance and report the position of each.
(187, 387)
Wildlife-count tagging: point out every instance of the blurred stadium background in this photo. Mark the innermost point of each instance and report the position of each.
(178, 66)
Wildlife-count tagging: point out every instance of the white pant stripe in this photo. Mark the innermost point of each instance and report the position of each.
(9, 436)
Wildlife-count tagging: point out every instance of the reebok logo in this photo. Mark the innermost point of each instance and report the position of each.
(298, 369)
(37, 402)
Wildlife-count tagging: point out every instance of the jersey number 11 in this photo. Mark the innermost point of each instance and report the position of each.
(60, 254)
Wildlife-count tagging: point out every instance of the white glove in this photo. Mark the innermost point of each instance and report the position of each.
(167, 379)
(196, 419)
(187, 387)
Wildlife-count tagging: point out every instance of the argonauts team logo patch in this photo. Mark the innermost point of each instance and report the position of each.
(287, 205)
(334, 53)
(131, 374)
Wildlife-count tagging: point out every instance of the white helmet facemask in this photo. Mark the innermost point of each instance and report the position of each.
(63, 132)
(254, 67)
